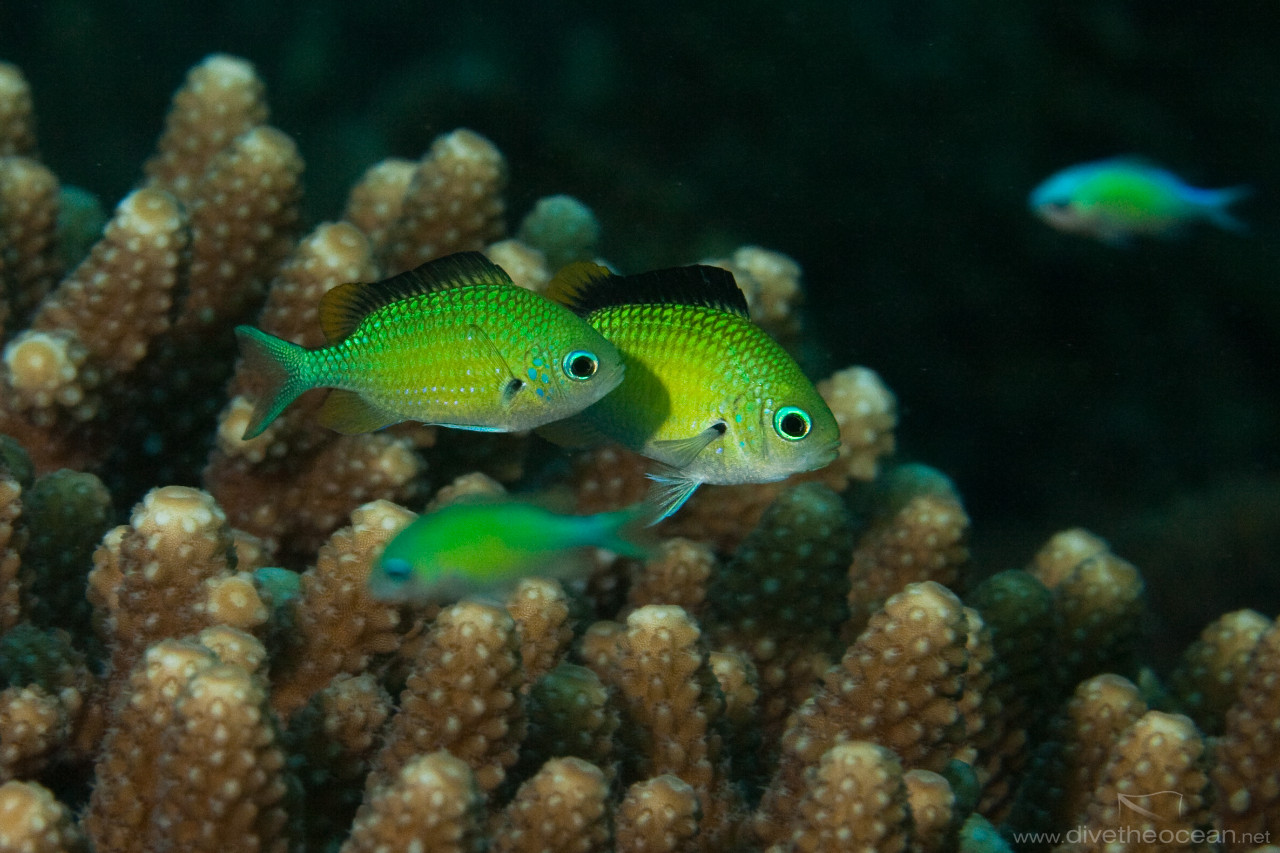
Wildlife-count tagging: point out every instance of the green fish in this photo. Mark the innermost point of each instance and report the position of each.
(453, 342)
(483, 547)
(707, 392)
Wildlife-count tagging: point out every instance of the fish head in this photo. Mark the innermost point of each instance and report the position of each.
(783, 433)
(1057, 202)
(562, 375)
(800, 432)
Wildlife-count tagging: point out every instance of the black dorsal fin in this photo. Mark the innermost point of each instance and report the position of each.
(343, 307)
(585, 288)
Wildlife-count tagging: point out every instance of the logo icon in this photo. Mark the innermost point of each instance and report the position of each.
(1155, 805)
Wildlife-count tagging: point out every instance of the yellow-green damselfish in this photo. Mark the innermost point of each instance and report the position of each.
(484, 546)
(453, 342)
(706, 392)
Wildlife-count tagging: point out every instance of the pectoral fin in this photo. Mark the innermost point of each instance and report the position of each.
(680, 452)
(670, 489)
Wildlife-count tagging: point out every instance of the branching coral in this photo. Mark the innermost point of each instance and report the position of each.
(791, 668)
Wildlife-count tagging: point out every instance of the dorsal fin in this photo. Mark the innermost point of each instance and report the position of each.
(585, 287)
(568, 285)
(343, 307)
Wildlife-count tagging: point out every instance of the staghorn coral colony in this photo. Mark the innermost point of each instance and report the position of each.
(811, 665)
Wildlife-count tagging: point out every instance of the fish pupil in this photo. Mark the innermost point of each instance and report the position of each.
(791, 423)
(580, 364)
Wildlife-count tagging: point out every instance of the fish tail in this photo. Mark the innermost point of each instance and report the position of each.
(624, 531)
(1215, 204)
(278, 368)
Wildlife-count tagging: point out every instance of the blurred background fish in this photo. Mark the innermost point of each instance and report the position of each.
(1114, 200)
(484, 546)
(453, 342)
(707, 392)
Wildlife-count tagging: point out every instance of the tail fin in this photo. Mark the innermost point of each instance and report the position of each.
(1216, 202)
(625, 531)
(276, 367)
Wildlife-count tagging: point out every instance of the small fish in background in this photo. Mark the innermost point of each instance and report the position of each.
(1124, 197)
(482, 547)
(707, 392)
(453, 342)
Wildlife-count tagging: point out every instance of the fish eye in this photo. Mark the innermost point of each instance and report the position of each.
(792, 423)
(581, 365)
(396, 568)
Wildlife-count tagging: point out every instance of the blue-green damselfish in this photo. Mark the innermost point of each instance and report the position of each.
(452, 342)
(482, 547)
(707, 392)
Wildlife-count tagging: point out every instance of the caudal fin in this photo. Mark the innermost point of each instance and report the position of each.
(1216, 204)
(275, 369)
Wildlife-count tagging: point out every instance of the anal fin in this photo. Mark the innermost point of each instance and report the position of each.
(349, 413)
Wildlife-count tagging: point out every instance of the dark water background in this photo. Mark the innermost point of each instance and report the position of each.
(888, 147)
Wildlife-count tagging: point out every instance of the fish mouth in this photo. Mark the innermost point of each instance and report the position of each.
(827, 455)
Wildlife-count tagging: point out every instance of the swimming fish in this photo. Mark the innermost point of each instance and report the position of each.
(484, 546)
(707, 392)
(453, 342)
(1116, 199)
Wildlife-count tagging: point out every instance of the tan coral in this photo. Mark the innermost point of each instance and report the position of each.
(221, 784)
(1208, 679)
(375, 202)
(935, 817)
(34, 724)
(671, 706)
(569, 712)
(310, 492)
(149, 576)
(461, 696)
(541, 613)
(866, 412)
(525, 264)
(127, 778)
(1019, 612)
(47, 376)
(338, 626)
(29, 262)
(432, 806)
(332, 254)
(770, 281)
(221, 98)
(658, 815)
(1099, 599)
(562, 808)
(13, 538)
(17, 124)
(452, 204)
(899, 685)
(677, 572)
(780, 599)
(920, 535)
(231, 645)
(32, 821)
(1063, 552)
(1246, 772)
(1101, 709)
(117, 301)
(97, 324)
(243, 214)
(1153, 790)
(854, 799)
